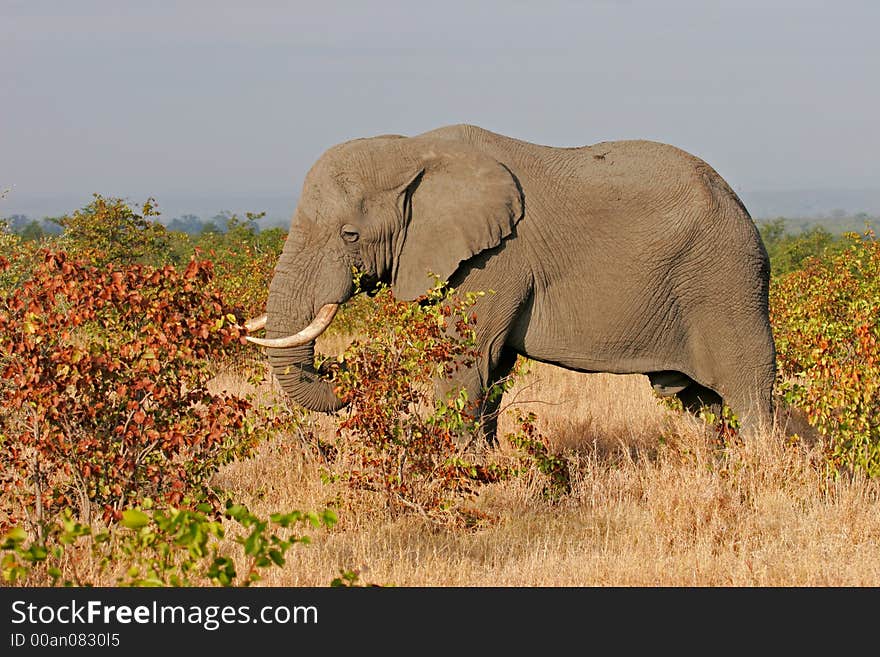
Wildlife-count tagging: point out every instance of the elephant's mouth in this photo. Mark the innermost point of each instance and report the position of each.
(370, 284)
(322, 320)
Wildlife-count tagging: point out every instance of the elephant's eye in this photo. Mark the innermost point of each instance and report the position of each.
(350, 233)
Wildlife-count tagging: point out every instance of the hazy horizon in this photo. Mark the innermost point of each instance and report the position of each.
(279, 206)
(222, 101)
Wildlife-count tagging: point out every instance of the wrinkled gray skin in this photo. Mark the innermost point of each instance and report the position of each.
(623, 257)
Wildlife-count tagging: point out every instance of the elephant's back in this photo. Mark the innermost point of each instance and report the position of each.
(627, 192)
(643, 209)
(637, 178)
(641, 180)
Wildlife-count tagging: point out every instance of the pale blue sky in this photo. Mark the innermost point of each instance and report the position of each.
(217, 98)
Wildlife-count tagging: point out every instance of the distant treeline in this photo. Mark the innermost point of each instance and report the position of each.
(790, 241)
(35, 229)
(836, 222)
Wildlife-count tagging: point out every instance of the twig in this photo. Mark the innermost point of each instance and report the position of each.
(414, 506)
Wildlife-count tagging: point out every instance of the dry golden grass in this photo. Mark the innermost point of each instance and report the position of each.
(656, 501)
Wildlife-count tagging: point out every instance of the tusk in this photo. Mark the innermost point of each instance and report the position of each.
(317, 327)
(256, 323)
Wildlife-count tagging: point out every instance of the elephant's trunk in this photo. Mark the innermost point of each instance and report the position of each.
(294, 366)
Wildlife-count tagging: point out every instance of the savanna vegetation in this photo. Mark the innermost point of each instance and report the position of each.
(142, 442)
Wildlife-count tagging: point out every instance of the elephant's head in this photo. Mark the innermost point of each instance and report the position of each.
(395, 209)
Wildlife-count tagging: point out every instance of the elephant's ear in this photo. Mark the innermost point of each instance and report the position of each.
(462, 202)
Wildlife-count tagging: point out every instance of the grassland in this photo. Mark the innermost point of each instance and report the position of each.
(656, 500)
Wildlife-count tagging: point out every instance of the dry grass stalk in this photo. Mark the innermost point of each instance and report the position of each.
(655, 501)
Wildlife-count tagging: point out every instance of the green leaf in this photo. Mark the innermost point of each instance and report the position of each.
(277, 557)
(236, 511)
(253, 544)
(36, 552)
(15, 536)
(134, 519)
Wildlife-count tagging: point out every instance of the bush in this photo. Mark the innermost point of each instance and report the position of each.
(244, 260)
(826, 319)
(16, 261)
(790, 251)
(105, 405)
(159, 547)
(421, 454)
(104, 397)
(109, 231)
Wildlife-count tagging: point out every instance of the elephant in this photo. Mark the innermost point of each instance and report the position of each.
(622, 257)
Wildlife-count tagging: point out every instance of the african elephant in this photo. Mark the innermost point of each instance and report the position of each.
(623, 257)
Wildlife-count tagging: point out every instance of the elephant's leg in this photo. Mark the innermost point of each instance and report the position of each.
(499, 315)
(747, 379)
(738, 362)
(467, 381)
(479, 385)
(749, 394)
(501, 368)
(694, 397)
